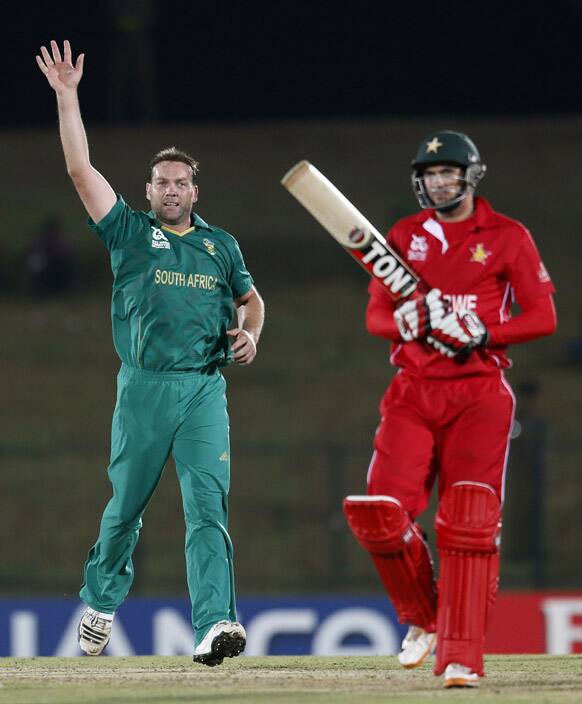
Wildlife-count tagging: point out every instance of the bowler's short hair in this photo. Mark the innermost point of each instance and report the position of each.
(173, 154)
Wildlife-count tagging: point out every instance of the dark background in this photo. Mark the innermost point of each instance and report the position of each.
(250, 89)
(247, 60)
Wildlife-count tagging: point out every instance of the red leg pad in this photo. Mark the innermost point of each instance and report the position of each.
(400, 555)
(467, 527)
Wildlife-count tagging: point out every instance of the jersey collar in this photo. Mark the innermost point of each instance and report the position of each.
(484, 215)
(195, 220)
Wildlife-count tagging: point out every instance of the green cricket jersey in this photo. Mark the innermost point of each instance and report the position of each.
(173, 293)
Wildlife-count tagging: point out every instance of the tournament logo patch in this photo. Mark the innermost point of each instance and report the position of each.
(479, 254)
(418, 249)
(209, 246)
(159, 240)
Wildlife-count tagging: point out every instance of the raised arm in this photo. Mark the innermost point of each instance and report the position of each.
(63, 76)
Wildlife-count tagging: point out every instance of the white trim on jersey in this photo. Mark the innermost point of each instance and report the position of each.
(394, 352)
(495, 358)
(506, 295)
(503, 476)
(436, 230)
(371, 465)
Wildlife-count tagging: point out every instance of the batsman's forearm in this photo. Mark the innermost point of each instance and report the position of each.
(537, 320)
(380, 320)
(382, 327)
(72, 132)
(251, 316)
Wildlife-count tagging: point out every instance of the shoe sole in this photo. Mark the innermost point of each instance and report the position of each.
(98, 650)
(225, 645)
(413, 665)
(418, 663)
(460, 682)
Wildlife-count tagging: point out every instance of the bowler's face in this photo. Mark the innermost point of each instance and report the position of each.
(172, 193)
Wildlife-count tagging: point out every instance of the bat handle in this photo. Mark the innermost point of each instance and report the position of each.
(421, 290)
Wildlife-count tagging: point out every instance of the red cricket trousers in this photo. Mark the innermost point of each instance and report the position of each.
(456, 429)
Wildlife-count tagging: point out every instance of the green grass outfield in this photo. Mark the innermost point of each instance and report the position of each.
(292, 680)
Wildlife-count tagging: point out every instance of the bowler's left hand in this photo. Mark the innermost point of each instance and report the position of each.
(244, 348)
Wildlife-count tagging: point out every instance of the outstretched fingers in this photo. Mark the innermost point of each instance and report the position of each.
(41, 64)
(59, 69)
(67, 52)
(48, 61)
(56, 52)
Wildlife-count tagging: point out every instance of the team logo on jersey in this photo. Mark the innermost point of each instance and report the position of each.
(159, 240)
(479, 254)
(433, 146)
(209, 246)
(418, 249)
(543, 275)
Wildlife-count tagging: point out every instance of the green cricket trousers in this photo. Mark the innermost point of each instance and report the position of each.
(158, 413)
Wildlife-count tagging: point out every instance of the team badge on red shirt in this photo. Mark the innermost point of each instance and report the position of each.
(479, 254)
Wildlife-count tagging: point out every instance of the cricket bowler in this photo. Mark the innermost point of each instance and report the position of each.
(181, 295)
(447, 414)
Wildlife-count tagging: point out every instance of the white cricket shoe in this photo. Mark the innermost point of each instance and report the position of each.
(94, 631)
(460, 676)
(417, 645)
(226, 639)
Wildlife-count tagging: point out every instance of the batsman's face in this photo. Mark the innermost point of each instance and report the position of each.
(172, 193)
(443, 183)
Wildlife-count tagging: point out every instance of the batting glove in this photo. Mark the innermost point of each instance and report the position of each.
(459, 333)
(416, 318)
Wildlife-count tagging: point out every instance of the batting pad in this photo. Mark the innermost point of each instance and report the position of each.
(400, 554)
(467, 527)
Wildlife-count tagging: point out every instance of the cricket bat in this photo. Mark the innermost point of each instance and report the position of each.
(351, 229)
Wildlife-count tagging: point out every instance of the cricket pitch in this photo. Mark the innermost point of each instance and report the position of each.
(511, 679)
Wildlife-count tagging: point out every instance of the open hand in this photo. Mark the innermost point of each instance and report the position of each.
(60, 72)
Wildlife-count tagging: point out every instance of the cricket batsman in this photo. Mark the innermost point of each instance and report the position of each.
(183, 306)
(448, 412)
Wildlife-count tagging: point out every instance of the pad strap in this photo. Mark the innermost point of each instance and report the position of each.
(400, 554)
(467, 528)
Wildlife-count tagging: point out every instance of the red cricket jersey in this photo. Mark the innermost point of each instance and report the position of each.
(482, 264)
